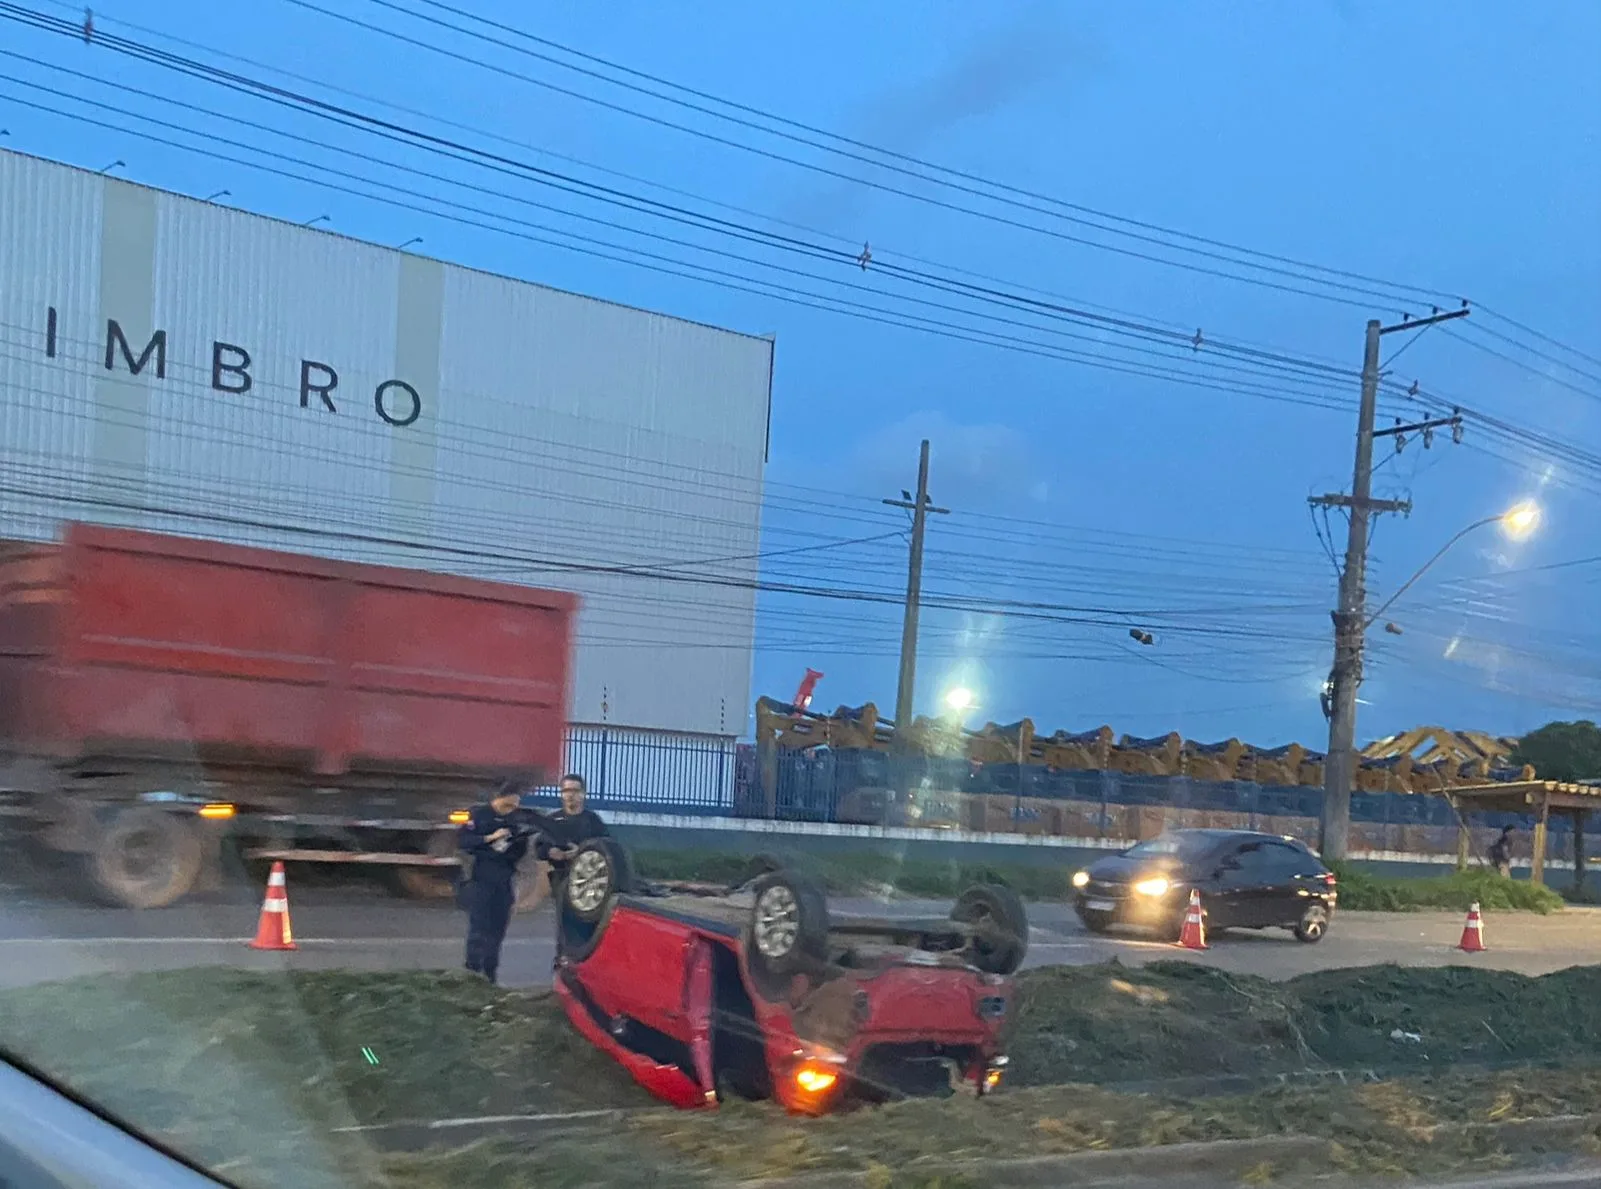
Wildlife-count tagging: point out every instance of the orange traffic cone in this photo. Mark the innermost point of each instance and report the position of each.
(1193, 935)
(273, 932)
(1473, 931)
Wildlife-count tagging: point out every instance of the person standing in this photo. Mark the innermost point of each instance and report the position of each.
(570, 827)
(494, 845)
(1501, 852)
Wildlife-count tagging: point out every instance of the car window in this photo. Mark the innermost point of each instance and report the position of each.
(1282, 859)
(1248, 859)
(1180, 846)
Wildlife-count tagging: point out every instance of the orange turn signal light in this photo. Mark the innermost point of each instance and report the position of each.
(814, 1079)
(460, 817)
(992, 1078)
(217, 811)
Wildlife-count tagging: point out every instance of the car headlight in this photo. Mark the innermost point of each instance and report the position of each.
(1081, 878)
(1155, 886)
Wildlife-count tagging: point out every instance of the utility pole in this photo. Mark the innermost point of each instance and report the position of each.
(920, 507)
(1350, 627)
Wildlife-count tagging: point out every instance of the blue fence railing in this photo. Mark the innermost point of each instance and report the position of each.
(656, 772)
(852, 786)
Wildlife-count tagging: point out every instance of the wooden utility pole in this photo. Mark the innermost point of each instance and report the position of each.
(1350, 626)
(920, 506)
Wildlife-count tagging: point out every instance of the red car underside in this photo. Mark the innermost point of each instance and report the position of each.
(667, 992)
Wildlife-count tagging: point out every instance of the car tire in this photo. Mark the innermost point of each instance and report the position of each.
(1001, 940)
(1096, 922)
(596, 874)
(1314, 923)
(787, 932)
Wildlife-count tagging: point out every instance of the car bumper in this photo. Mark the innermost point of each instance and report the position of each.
(1123, 907)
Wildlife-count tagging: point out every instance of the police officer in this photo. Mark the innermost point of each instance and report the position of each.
(495, 843)
(570, 827)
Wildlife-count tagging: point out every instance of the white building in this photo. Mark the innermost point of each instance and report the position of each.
(177, 365)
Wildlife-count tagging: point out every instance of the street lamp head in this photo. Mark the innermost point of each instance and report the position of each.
(960, 698)
(1520, 520)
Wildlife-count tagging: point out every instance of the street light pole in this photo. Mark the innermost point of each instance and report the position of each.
(1339, 764)
(919, 506)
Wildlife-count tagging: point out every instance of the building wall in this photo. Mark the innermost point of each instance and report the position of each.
(306, 391)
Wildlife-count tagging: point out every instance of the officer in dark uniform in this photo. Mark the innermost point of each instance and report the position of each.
(566, 830)
(495, 841)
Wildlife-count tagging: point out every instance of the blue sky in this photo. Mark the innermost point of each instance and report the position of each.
(1456, 150)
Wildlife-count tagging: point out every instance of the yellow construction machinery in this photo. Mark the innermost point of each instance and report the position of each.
(1424, 760)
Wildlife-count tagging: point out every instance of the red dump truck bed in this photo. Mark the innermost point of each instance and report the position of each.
(122, 644)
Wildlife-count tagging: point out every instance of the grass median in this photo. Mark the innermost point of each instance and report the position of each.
(864, 873)
(1362, 889)
(264, 1075)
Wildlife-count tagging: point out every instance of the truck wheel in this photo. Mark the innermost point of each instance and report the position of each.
(145, 858)
(1000, 927)
(787, 932)
(431, 883)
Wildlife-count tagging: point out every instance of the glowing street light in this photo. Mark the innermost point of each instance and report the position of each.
(1517, 523)
(959, 699)
(1520, 520)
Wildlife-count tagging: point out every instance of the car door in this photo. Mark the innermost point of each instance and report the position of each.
(1233, 885)
(1294, 876)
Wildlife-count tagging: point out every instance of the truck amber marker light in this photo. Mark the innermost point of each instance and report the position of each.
(460, 817)
(216, 810)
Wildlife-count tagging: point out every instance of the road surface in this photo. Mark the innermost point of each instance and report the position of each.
(45, 936)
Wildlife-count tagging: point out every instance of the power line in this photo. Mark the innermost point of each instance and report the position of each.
(1298, 394)
(190, 67)
(1141, 330)
(896, 162)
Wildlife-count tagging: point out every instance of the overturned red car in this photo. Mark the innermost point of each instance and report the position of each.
(704, 991)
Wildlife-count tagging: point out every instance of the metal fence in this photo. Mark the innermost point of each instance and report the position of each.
(657, 772)
(856, 787)
(653, 771)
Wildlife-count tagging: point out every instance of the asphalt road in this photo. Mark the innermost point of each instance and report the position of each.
(45, 937)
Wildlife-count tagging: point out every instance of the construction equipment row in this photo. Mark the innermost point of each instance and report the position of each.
(1423, 760)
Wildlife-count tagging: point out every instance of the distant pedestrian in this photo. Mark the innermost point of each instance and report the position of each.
(494, 845)
(570, 827)
(1501, 852)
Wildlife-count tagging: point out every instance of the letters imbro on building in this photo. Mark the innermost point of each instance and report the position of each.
(395, 401)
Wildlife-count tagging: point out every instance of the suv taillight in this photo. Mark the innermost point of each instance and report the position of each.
(1329, 881)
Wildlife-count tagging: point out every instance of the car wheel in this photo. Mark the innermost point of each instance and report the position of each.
(1000, 937)
(787, 932)
(1095, 922)
(597, 872)
(1314, 923)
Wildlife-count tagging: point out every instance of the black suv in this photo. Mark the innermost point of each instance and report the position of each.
(1246, 880)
